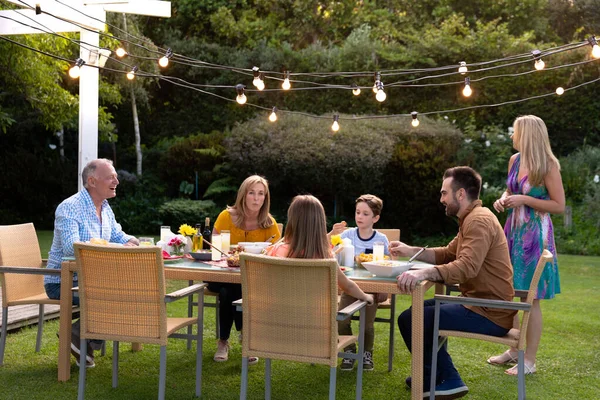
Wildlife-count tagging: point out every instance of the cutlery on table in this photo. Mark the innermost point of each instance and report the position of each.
(214, 247)
(271, 238)
(417, 254)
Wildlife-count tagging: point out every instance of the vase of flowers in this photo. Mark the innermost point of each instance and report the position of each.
(187, 232)
(337, 244)
(177, 244)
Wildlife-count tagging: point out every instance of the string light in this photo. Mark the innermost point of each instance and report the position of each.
(164, 60)
(273, 116)
(560, 90)
(377, 80)
(121, 52)
(241, 97)
(463, 68)
(595, 48)
(380, 96)
(75, 70)
(38, 9)
(539, 63)
(415, 120)
(335, 126)
(355, 89)
(258, 81)
(131, 74)
(286, 85)
(467, 91)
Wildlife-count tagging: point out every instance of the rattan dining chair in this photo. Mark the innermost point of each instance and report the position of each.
(514, 337)
(290, 312)
(122, 298)
(19, 247)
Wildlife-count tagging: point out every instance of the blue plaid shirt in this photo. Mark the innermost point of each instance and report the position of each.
(76, 221)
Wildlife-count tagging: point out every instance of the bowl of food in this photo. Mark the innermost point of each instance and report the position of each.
(363, 258)
(202, 255)
(254, 247)
(387, 268)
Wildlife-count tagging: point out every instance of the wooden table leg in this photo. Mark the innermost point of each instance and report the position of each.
(66, 317)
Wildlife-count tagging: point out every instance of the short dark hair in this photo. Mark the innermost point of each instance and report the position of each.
(374, 203)
(465, 178)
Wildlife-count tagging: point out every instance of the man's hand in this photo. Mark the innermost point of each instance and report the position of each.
(132, 242)
(399, 249)
(408, 281)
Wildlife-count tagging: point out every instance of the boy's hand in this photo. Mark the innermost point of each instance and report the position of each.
(338, 228)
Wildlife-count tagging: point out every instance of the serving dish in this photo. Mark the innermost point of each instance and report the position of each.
(387, 268)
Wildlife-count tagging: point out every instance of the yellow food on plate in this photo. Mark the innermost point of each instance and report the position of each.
(362, 257)
(99, 241)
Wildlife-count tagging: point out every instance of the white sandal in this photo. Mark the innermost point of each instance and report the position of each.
(514, 370)
(505, 358)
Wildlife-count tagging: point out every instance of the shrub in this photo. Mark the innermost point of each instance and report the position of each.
(183, 211)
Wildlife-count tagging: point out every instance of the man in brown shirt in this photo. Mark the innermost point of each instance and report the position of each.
(477, 259)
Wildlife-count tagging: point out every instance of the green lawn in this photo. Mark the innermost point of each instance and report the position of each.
(568, 362)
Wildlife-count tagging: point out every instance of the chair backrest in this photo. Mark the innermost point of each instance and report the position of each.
(545, 258)
(280, 226)
(121, 292)
(290, 308)
(392, 234)
(19, 247)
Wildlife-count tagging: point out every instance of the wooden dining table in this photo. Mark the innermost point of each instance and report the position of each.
(190, 270)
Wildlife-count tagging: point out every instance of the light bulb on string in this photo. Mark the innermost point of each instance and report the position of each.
(131, 74)
(273, 116)
(415, 120)
(380, 96)
(463, 68)
(257, 82)
(164, 60)
(75, 70)
(261, 82)
(335, 126)
(355, 89)
(560, 90)
(286, 85)
(376, 83)
(539, 63)
(467, 91)
(121, 52)
(241, 97)
(595, 48)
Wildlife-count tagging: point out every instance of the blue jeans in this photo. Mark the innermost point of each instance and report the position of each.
(53, 292)
(452, 317)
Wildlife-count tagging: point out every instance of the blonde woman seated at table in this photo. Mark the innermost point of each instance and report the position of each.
(306, 237)
(248, 220)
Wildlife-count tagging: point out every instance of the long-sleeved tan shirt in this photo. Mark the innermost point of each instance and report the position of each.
(478, 260)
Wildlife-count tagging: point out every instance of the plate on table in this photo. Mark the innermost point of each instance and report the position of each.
(387, 268)
(205, 255)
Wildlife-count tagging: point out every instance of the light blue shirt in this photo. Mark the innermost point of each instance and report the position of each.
(365, 245)
(75, 220)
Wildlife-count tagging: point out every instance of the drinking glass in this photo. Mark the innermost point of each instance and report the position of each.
(225, 240)
(165, 232)
(216, 241)
(146, 241)
(378, 251)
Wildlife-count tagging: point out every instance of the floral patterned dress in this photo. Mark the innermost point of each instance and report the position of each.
(528, 232)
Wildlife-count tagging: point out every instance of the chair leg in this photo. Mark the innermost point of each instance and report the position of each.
(217, 319)
(521, 373)
(103, 349)
(40, 331)
(244, 382)
(82, 368)
(4, 332)
(360, 353)
(434, 350)
(267, 379)
(332, 383)
(190, 314)
(392, 331)
(163, 372)
(115, 365)
(199, 343)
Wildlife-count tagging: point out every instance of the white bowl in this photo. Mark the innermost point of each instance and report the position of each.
(387, 268)
(253, 249)
(260, 245)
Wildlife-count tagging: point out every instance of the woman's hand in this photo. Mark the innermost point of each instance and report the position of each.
(499, 204)
(369, 299)
(381, 297)
(515, 200)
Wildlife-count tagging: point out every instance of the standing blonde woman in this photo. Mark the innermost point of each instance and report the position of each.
(248, 220)
(535, 191)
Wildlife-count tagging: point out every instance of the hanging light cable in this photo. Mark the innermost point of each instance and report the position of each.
(241, 97)
(75, 70)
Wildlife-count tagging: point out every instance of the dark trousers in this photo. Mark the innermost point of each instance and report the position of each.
(452, 317)
(228, 293)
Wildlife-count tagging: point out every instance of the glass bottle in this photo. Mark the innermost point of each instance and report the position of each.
(197, 239)
(207, 234)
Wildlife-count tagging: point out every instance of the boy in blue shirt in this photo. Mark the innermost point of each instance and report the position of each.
(367, 213)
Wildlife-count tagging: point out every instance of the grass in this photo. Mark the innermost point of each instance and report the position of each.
(568, 366)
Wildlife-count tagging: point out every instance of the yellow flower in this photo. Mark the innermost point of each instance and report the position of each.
(335, 240)
(187, 230)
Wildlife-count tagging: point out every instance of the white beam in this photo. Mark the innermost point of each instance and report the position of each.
(45, 23)
(151, 8)
(88, 106)
(57, 9)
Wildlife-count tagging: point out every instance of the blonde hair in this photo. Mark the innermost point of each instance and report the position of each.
(239, 212)
(373, 202)
(531, 135)
(306, 229)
